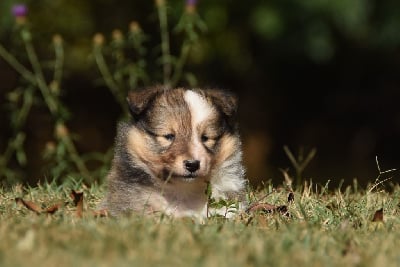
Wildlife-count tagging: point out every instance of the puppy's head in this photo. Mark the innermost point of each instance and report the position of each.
(181, 133)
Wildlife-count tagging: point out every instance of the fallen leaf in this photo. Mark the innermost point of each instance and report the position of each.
(77, 197)
(29, 205)
(378, 216)
(52, 209)
(265, 207)
(268, 208)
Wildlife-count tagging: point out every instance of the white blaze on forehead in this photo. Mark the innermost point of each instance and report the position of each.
(199, 108)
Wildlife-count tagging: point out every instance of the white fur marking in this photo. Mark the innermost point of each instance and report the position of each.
(200, 110)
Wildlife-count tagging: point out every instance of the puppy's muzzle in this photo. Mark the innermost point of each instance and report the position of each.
(191, 165)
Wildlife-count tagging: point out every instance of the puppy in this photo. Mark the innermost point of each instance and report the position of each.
(179, 141)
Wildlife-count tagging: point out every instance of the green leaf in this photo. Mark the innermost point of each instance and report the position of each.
(21, 157)
(191, 79)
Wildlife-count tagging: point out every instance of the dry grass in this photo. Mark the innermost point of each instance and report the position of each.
(323, 229)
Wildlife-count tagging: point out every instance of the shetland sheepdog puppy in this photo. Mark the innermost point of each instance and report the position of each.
(179, 142)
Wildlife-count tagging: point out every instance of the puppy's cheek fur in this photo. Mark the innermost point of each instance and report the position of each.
(139, 145)
(227, 147)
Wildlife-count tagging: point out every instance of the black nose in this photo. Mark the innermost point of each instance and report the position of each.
(191, 165)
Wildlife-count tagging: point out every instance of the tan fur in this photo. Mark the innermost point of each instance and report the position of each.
(170, 127)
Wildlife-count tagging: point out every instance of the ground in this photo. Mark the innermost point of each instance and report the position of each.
(341, 227)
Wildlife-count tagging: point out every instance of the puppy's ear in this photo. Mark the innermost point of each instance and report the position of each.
(140, 100)
(226, 102)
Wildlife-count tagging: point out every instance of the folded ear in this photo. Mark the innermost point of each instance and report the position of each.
(225, 101)
(139, 100)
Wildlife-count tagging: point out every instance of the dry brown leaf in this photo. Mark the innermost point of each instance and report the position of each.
(268, 208)
(35, 208)
(77, 197)
(265, 207)
(378, 216)
(52, 209)
(29, 205)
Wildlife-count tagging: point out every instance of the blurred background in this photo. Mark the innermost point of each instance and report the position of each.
(309, 74)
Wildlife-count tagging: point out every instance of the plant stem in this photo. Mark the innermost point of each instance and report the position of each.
(25, 109)
(180, 64)
(108, 79)
(59, 62)
(166, 58)
(20, 120)
(300, 163)
(40, 81)
(13, 62)
(12, 147)
(75, 157)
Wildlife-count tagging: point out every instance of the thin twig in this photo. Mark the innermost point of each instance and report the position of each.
(309, 157)
(379, 169)
(377, 182)
(291, 157)
(300, 164)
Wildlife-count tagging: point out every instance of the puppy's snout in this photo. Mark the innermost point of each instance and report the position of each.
(191, 165)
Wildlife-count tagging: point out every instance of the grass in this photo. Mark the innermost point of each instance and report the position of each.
(323, 229)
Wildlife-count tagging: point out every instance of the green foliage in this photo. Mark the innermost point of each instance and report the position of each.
(267, 22)
(248, 38)
(123, 63)
(123, 66)
(37, 90)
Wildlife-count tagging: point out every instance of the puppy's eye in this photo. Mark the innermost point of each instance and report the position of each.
(169, 137)
(204, 138)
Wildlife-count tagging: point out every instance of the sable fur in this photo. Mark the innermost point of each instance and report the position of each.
(169, 128)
